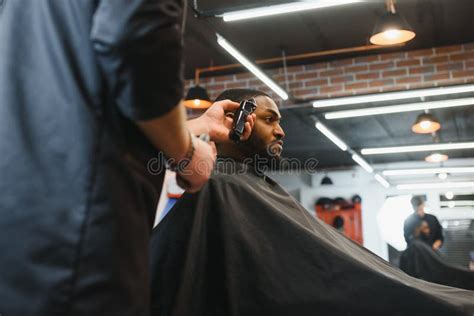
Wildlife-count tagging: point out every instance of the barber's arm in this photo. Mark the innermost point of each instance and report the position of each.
(438, 237)
(138, 46)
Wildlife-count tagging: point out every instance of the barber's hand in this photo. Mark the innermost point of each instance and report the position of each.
(220, 125)
(437, 244)
(196, 174)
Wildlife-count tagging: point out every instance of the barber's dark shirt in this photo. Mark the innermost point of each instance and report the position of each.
(412, 221)
(76, 200)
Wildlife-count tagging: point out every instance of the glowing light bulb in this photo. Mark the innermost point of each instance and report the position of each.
(449, 195)
(197, 102)
(425, 124)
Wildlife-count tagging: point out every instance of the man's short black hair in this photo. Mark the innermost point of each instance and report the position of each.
(238, 95)
(417, 201)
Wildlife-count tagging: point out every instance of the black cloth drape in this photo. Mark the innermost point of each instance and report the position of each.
(244, 246)
(420, 261)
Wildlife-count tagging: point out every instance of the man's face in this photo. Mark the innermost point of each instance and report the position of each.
(421, 210)
(267, 134)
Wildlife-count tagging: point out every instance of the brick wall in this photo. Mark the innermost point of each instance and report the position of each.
(439, 66)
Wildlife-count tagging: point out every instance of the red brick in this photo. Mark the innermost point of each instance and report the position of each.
(235, 85)
(421, 53)
(450, 82)
(358, 68)
(468, 47)
(461, 56)
(394, 88)
(469, 80)
(393, 56)
(316, 82)
(394, 73)
(342, 79)
(214, 86)
(380, 83)
(384, 65)
(448, 49)
(422, 85)
(442, 76)
(367, 91)
(408, 62)
(332, 72)
(330, 89)
(463, 73)
(298, 68)
(244, 75)
(410, 79)
(356, 85)
(316, 66)
(421, 70)
(341, 63)
(341, 94)
(296, 85)
(435, 59)
(204, 80)
(469, 64)
(224, 78)
(305, 92)
(366, 59)
(448, 67)
(369, 75)
(306, 75)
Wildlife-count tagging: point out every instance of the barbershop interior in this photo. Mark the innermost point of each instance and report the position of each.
(237, 157)
(376, 100)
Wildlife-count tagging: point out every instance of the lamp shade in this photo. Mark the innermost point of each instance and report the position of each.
(391, 28)
(425, 124)
(197, 98)
(326, 181)
(436, 157)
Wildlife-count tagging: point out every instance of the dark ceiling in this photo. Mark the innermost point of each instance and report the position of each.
(436, 23)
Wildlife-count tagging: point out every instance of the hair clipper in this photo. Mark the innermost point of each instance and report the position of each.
(246, 108)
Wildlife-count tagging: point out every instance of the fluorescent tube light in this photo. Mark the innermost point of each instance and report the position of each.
(393, 96)
(282, 8)
(362, 163)
(456, 203)
(438, 185)
(408, 172)
(336, 140)
(420, 106)
(251, 67)
(416, 148)
(382, 180)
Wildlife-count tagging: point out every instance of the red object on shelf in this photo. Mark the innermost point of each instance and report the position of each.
(351, 218)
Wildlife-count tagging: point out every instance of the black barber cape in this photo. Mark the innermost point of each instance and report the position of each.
(420, 261)
(76, 199)
(244, 246)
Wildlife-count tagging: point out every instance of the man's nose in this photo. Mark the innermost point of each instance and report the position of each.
(279, 133)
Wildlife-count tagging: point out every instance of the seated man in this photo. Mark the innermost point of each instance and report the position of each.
(244, 246)
(421, 261)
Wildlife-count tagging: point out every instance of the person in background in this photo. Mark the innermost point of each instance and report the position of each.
(434, 236)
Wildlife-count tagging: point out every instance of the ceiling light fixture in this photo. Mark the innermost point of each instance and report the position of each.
(443, 175)
(336, 140)
(449, 195)
(436, 185)
(251, 67)
(425, 123)
(416, 148)
(390, 96)
(197, 98)
(282, 9)
(419, 106)
(408, 172)
(452, 204)
(391, 28)
(362, 163)
(436, 157)
(382, 180)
